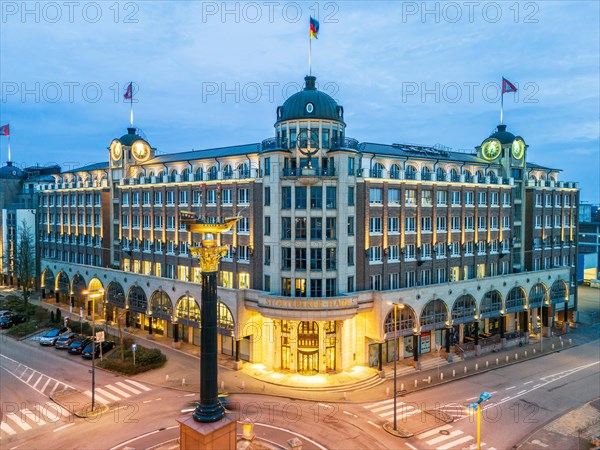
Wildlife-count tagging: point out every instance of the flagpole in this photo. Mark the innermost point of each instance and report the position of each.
(9, 147)
(501, 106)
(309, 54)
(131, 106)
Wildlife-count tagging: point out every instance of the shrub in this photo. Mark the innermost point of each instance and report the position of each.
(23, 329)
(145, 359)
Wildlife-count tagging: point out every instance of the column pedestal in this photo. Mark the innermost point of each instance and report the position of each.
(218, 435)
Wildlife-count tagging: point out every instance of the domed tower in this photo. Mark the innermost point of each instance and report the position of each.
(509, 151)
(128, 151)
(308, 173)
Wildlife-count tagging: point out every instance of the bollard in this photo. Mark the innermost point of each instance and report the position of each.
(167, 378)
(465, 369)
(416, 383)
(525, 353)
(387, 391)
(345, 395)
(487, 364)
(243, 385)
(183, 381)
(496, 361)
(402, 387)
(476, 367)
(429, 379)
(264, 387)
(442, 376)
(222, 385)
(552, 346)
(570, 341)
(562, 344)
(506, 358)
(534, 351)
(453, 372)
(516, 356)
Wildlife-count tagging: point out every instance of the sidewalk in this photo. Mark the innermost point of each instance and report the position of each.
(182, 370)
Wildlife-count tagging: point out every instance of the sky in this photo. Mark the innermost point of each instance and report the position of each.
(211, 74)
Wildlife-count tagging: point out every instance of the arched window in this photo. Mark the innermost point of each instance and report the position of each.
(454, 175)
(115, 294)
(198, 175)
(224, 318)
(405, 321)
(425, 173)
(480, 176)
(434, 315)
(95, 285)
(63, 284)
(243, 170)
(227, 172)
(515, 300)
(410, 172)
(377, 171)
(48, 280)
(212, 173)
(440, 175)
(395, 172)
(559, 292)
(161, 305)
(137, 300)
(78, 286)
(173, 176)
(468, 176)
(159, 175)
(464, 309)
(187, 311)
(538, 295)
(492, 175)
(185, 175)
(491, 305)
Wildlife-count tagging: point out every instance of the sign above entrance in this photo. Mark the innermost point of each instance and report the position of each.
(288, 306)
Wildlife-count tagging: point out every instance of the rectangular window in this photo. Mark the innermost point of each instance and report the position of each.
(506, 223)
(267, 226)
(506, 199)
(170, 198)
(146, 198)
(393, 225)
(410, 279)
(442, 198)
(393, 253)
(494, 221)
(455, 198)
(316, 288)
(482, 198)
(426, 251)
(393, 196)
(267, 252)
(375, 196)
(267, 166)
(316, 228)
(196, 198)
(469, 223)
(183, 197)
(374, 254)
(244, 280)
(426, 198)
(482, 223)
(316, 259)
(227, 197)
(286, 197)
(442, 275)
(330, 231)
(350, 196)
(350, 284)
(330, 287)
(330, 258)
(410, 225)
(300, 197)
(243, 253)
(426, 224)
(375, 225)
(410, 252)
(394, 280)
(468, 198)
(316, 197)
(286, 258)
(350, 226)
(350, 166)
(350, 256)
(300, 228)
(243, 225)
(267, 196)
(300, 259)
(286, 228)
(211, 197)
(330, 197)
(375, 283)
(286, 287)
(410, 197)
(243, 196)
(455, 223)
(441, 223)
(494, 198)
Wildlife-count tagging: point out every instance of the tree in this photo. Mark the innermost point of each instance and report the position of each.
(20, 260)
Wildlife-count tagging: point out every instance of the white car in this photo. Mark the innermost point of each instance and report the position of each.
(52, 336)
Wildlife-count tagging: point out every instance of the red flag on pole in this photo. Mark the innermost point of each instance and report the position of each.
(129, 92)
(507, 86)
(4, 130)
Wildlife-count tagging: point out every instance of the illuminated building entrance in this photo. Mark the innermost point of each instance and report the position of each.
(308, 348)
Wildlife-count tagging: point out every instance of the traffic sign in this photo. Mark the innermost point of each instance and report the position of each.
(133, 347)
(100, 336)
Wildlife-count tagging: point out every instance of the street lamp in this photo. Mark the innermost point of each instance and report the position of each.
(396, 306)
(93, 295)
(476, 406)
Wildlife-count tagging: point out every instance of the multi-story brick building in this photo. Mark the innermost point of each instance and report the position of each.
(333, 233)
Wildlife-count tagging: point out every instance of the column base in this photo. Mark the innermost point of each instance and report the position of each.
(207, 436)
(150, 337)
(176, 344)
(237, 365)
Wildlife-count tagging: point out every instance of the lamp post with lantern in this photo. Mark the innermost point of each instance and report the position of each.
(396, 307)
(93, 295)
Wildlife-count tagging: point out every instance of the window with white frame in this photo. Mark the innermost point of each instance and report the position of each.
(557, 221)
(440, 250)
(469, 248)
(410, 225)
(441, 275)
(243, 225)
(548, 221)
(426, 198)
(494, 222)
(494, 246)
(455, 198)
(183, 197)
(426, 251)
(425, 277)
(441, 198)
(393, 196)
(375, 196)
(426, 224)
(505, 222)
(494, 198)
(482, 223)
(394, 280)
(538, 221)
(505, 199)
(482, 198)
(170, 222)
(410, 197)
(375, 225)
(548, 199)
(170, 198)
(410, 279)
(375, 254)
(455, 249)
(393, 253)
(567, 221)
(567, 200)
(243, 197)
(196, 198)
(243, 253)
(469, 201)
(469, 223)
(146, 221)
(158, 198)
(146, 198)
(393, 225)
(211, 197)
(226, 197)
(375, 282)
(481, 247)
(538, 199)
(441, 223)
(409, 252)
(455, 223)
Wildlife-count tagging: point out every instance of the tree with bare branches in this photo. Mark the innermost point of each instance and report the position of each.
(20, 260)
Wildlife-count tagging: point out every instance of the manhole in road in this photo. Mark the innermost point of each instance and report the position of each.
(444, 432)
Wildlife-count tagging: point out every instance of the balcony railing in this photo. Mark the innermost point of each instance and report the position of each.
(306, 172)
(344, 143)
(275, 144)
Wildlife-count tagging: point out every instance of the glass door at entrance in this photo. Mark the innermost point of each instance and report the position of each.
(308, 362)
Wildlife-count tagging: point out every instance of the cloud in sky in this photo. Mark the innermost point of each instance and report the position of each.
(404, 71)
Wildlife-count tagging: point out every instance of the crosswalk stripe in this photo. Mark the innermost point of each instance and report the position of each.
(140, 385)
(434, 431)
(445, 438)
(55, 386)
(457, 442)
(117, 390)
(6, 428)
(45, 385)
(24, 372)
(129, 388)
(383, 402)
(31, 416)
(97, 397)
(383, 408)
(401, 411)
(30, 377)
(52, 412)
(19, 421)
(38, 380)
(107, 394)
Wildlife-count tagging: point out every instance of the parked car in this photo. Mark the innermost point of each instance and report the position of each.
(106, 347)
(77, 346)
(52, 336)
(65, 340)
(10, 320)
(5, 312)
